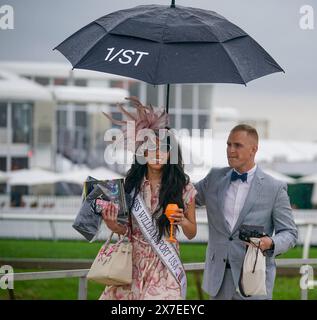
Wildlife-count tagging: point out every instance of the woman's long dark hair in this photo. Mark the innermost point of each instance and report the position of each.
(173, 182)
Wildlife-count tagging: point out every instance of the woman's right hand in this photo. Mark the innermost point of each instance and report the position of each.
(109, 215)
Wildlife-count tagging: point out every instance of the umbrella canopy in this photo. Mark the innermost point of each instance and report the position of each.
(280, 176)
(74, 176)
(31, 177)
(80, 175)
(105, 174)
(309, 179)
(168, 44)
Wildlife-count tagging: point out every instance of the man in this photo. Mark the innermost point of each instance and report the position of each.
(236, 195)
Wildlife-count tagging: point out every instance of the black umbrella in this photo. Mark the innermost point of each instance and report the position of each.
(168, 44)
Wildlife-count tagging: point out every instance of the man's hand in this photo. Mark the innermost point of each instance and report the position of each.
(265, 243)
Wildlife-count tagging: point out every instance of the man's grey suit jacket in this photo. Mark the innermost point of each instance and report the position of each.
(267, 204)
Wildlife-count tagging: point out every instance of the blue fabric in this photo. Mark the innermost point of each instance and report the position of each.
(235, 176)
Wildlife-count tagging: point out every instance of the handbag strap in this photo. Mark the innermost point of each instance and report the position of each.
(257, 253)
(106, 244)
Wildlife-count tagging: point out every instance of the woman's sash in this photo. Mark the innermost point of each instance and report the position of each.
(165, 250)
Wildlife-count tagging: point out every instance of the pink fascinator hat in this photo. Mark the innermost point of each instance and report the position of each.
(144, 117)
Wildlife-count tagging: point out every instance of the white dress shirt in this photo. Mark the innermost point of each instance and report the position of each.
(235, 198)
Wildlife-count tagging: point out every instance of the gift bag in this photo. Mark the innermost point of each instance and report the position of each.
(253, 274)
(113, 264)
(88, 220)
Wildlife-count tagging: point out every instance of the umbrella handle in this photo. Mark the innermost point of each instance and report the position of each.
(167, 97)
(173, 4)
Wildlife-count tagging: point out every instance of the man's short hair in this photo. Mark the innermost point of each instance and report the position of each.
(248, 129)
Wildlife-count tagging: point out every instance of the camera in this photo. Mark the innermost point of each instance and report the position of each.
(249, 231)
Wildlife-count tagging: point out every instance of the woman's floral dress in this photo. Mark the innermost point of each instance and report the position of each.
(151, 280)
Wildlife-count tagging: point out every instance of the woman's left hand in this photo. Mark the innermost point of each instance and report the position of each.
(178, 217)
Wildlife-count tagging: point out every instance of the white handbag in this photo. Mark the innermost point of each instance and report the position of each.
(253, 273)
(113, 264)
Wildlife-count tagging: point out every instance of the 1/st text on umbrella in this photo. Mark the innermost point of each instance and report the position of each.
(125, 56)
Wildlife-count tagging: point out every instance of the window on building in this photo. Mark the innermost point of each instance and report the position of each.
(61, 118)
(3, 188)
(80, 82)
(27, 77)
(22, 122)
(116, 84)
(3, 115)
(60, 82)
(63, 134)
(81, 119)
(64, 141)
(203, 121)
(81, 130)
(44, 81)
(152, 95)
(204, 96)
(3, 164)
(134, 88)
(18, 163)
(116, 116)
(81, 139)
(172, 97)
(172, 120)
(187, 96)
(3, 167)
(17, 193)
(187, 121)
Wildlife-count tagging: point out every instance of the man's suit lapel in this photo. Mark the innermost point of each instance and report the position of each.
(223, 187)
(253, 194)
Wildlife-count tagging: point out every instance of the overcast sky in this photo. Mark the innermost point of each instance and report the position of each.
(42, 24)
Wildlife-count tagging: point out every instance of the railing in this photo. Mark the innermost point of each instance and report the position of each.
(306, 218)
(38, 203)
(50, 218)
(189, 267)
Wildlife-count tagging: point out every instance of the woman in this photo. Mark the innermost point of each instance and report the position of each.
(159, 182)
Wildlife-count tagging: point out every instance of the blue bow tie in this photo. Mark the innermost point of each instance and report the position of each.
(235, 176)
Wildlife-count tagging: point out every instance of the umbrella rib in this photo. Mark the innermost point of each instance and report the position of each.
(75, 64)
(194, 16)
(215, 24)
(124, 19)
(64, 41)
(161, 44)
(235, 66)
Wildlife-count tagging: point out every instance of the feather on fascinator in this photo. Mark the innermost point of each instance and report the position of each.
(145, 117)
